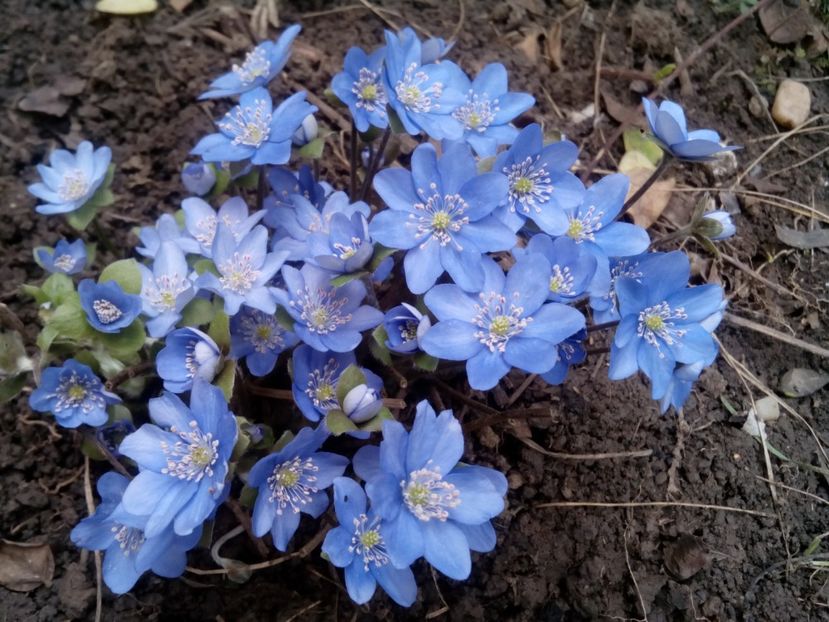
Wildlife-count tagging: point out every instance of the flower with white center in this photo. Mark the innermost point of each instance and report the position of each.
(249, 125)
(166, 229)
(371, 96)
(405, 326)
(192, 456)
(188, 353)
(530, 187)
(259, 339)
(429, 497)
(477, 112)
(359, 86)
(315, 375)
(415, 92)
(70, 180)
(345, 248)
(201, 221)
(292, 484)
(570, 352)
(73, 186)
(498, 321)
(165, 289)
(658, 324)
(256, 65)
(108, 308)
(367, 542)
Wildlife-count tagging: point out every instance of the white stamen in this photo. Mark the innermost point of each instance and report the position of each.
(249, 126)
(192, 457)
(411, 93)
(292, 483)
(497, 322)
(256, 65)
(427, 496)
(106, 311)
(368, 542)
(73, 186)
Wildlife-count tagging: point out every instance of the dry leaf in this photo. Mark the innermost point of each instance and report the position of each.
(552, 46)
(25, 565)
(819, 238)
(180, 5)
(650, 205)
(685, 557)
(626, 115)
(783, 23)
(126, 7)
(47, 100)
(529, 47)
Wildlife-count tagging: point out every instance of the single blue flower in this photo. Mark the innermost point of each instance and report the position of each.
(291, 481)
(262, 64)
(345, 248)
(188, 353)
(603, 289)
(201, 221)
(507, 325)
(166, 229)
(70, 180)
(717, 226)
(259, 339)
(182, 459)
(255, 131)
(108, 308)
(488, 109)
(358, 544)
(245, 268)
(570, 352)
(73, 394)
(430, 505)
(680, 385)
(540, 183)
(198, 177)
(440, 213)
(405, 327)
(667, 123)
(360, 87)
(326, 317)
(165, 289)
(65, 258)
(423, 96)
(573, 267)
(662, 323)
(128, 552)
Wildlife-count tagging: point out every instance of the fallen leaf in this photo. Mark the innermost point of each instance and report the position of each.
(180, 5)
(530, 47)
(626, 115)
(126, 7)
(69, 85)
(800, 382)
(25, 565)
(47, 100)
(784, 23)
(650, 205)
(552, 46)
(819, 238)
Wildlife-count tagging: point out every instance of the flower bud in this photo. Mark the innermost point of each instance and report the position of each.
(361, 404)
(716, 226)
(198, 178)
(306, 132)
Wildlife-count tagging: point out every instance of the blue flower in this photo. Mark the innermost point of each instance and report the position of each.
(441, 214)
(434, 49)
(166, 229)
(345, 248)
(358, 544)
(128, 552)
(362, 403)
(182, 458)
(540, 184)
(306, 132)
(405, 327)
(573, 267)
(108, 308)
(662, 323)
(259, 339)
(430, 505)
(488, 110)
(326, 317)
(680, 385)
(717, 226)
(603, 299)
(245, 268)
(65, 258)
(71, 180)
(423, 96)
(254, 131)
(291, 481)
(198, 178)
(201, 221)
(315, 375)
(188, 353)
(166, 289)
(360, 87)
(284, 184)
(507, 325)
(262, 64)
(73, 394)
(570, 352)
(667, 123)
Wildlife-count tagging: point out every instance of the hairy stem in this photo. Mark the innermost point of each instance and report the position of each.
(663, 165)
(353, 157)
(374, 164)
(261, 188)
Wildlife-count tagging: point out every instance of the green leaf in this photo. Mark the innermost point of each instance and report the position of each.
(338, 423)
(102, 198)
(377, 345)
(197, 312)
(249, 181)
(91, 449)
(56, 287)
(287, 437)
(205, 265)
(242, 438)
(11, 387)
(380, 253)
(284, 319)
(91, 252)
(46, 337)
(375, 424)
(351, 377)
(227, 379)
(80, 218)
(222, 181)
(394, 121)
(313, 149)
(119, 412)
(425, 362)
(35, 292)
(247, 497)
(125, 272)
(13, 359)
(109, 364)
(664, 72)
(219, 329)
(635, 140)
(125, 342)
(69, 320)
(339, 281)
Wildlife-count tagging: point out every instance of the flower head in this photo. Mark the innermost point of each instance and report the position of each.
(360, 87)
(346, 247)
(166, 229)
(166, 289)
(291, 481)
(198, 177)
(405, 327)
(259, 339)
(716, 226)
(573, 267)
(70, 180)
(315, 375)
(73, 394)
(65, 258)
(201, 221)
(603, 300)
(108, 308)
(188, 353)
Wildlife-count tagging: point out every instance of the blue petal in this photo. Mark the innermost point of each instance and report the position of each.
(399, 583)
(337, 544)
(422, 266)
(450, 302)
(366, 462)
(481, 538)
(393, 449)
(349, 499)
(446, 548)
(284, 528)
(359, 582)
(386, 497)
(522, 284)
(404, 538)
(264, 513)
(479, 501)
(434, 442)
(463, 266)
(395, 187)
(531, 355)
(623, 360)
(453, 340)
(485, 369)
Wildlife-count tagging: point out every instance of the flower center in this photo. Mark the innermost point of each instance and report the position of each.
(347, 252)
(193, 456)
(164, 290)
(477, 113)
(198, 354)
(129, 539)
(250, 126)
(320, 387)
(292, 483)
(500, 326)
(411, 93)
(585, 227)
(408, 330)
(657, 325)
(368, 542)
(439, 217)
(73, 186)
(427, 496)
(262, 331)
(64, 263)
(106, 311)
(498, 322)
(256, 65)
(529, 184)
(238, 274)
(561, 282)
(523, 185)
(74, 391)
(371, 96)
(321, 310)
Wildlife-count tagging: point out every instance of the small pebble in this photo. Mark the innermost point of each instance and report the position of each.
(791, 104)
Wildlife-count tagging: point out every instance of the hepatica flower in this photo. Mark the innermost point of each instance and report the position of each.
(668, 125)
(245, 268)
(261, 65)
(259, 339)
(198, 177)
(360, 87)
(73, 394)
(166, 229)
(201, 221)
(573, 267)
(540, 184)
(254, 131)
(326, 317)
(488, 109)
(430, 505)
(345, 248)
(108, 308)
(65, 258)
(315, 376)
(291, 481)
(507, 325)
(128, 552)
(70, 180)
(182, 459)
(285, 183)
(603, 300)
(716, 226)
(188, 353)
(405, 327)
(358, 544)
(440, 213)
(680, 385)
(569, 352)
(165, 289)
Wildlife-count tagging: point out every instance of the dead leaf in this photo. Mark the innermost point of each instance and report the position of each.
(25, 565)
(784, 23)
(47, 100)
(650, 205)
(552, 46)
(126, 7)
(800, 382)
(180, 5)
(819, 238)
(530, 47)
(626, 115)
(70, 85)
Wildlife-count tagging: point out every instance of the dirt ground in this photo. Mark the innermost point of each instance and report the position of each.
(134, 83)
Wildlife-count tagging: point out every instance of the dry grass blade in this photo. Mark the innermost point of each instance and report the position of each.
(776, 334)
(651, 504)
(611, 455)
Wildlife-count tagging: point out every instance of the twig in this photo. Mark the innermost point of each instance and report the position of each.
(90, 508)
(520, 390)
(244, 520)
(776, 334)
(374, 165)
(657, 173)
(612, 455)
(461, 20)
(352, 185)
(759, 277)
(651, 504)
(633, 576)
(303, 611)
(434, 614)
(797, 164)
(324, 108)
(479, 406)
(792, 489)
(599, 56)
(378, 12)
(500, 417)
(128, 374)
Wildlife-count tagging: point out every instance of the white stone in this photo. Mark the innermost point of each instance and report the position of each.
(791, 104)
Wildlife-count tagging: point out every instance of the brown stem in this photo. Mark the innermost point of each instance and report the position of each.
(128, 374)
(663, 165)
(595, 327)
(353, 180)
(261, 188)
(375, 164)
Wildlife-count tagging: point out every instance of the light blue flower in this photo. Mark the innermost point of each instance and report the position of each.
(188, 353)
(306, 132)
(717, 226)
(345, 248)
(570, 352)
(405, 327)
(262, 64)
(165, 289)
(198, 177)
(667, 123)
(284, 184)
(573, 267)
(201, 221)
(603, 289)
(358, 544)
(326, 317)
(507, 325)
(73, 394)
(166, 229)
(434, 49)
(315, 375)
(70, 180)
(108, 308)
(65, 258)
(128, 552)
(430, 505)
(255, 131)
(291, 481)
(259, 339)
(182, 459)
(440, 213)
(360, 87)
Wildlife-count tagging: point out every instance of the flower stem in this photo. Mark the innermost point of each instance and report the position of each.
(663, 165)
(353, 156)
(375, 164)
(595, 327)
(261, 188)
